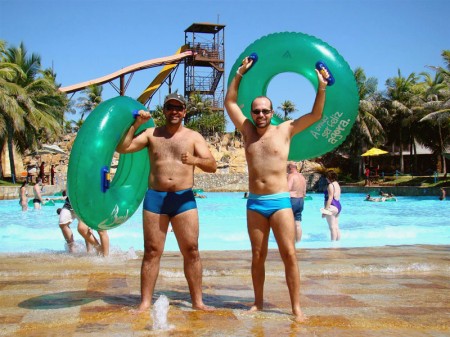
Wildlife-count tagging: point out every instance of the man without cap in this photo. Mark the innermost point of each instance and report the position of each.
(174, 152)
(268, 205)
(297, 192)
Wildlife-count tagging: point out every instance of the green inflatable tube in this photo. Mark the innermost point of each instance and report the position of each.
(90, 162)
(298, 53)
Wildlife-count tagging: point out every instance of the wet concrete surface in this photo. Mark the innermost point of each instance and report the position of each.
(381, 291)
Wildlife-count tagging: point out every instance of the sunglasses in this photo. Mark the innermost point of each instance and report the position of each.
(264, 111)
(170, 107)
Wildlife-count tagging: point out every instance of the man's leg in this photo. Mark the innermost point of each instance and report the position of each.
(258, 231)
(155, 231)
(298, 231)
(186, 229)
(284, 235)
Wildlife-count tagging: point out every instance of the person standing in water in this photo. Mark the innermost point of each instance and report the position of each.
(297, 192)
(23, 196)
(66, 217)
(268, 204)
(174, 152)
(332, 205)
(38, 200)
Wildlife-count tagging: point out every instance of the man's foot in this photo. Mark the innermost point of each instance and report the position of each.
(203, 307)
(299, 316)
(255, 308)
(143, 307)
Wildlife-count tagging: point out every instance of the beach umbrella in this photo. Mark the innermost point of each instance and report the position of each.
(373, 152)
(48, 149)
(53, 149)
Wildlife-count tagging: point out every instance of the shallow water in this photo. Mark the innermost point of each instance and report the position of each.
(377, 292)
(409, 220)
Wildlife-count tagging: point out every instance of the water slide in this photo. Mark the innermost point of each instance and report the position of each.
(170, 63)
(160, 79)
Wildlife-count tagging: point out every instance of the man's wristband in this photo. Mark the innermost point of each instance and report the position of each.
(238, 73)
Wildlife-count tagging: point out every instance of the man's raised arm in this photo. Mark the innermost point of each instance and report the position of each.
(233, 109)
(316, 114)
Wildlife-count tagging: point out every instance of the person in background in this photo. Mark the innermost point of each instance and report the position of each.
(174, 152)
(367, 176)
(52, 175)
(42, 171)
(66, 217)
(268, 204)
(333, 205)
(443, 194)
(31, 170)
(37, 188)
(23, 196)
(297, 192)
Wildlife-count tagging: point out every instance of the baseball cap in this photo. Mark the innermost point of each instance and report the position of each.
(175, 97)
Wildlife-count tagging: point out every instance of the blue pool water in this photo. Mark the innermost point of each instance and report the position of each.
(410, 220)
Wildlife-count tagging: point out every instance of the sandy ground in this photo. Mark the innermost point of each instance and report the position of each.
(385, 291)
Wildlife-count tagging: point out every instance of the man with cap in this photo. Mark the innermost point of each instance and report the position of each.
(174, 151)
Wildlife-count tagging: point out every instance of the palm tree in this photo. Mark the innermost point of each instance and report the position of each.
(367, 130)
(11, 112)
(158, 116)
(202, 118)
(437, 112)
(31, 105)
(90, 101)
(402, 99)
(287, 107)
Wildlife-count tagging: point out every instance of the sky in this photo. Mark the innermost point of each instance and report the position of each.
(87, 39)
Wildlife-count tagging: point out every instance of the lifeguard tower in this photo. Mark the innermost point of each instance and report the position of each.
(204, 72)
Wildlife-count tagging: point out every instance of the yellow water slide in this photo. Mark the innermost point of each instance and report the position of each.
(159, 79)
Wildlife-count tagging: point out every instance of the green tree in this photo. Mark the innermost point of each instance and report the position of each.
(402, 98)
(92, 98)
(158, 116)
(202, 118)
(11, 113)
(287, 107)
(367, 131)
(436, 119)
(32, 107)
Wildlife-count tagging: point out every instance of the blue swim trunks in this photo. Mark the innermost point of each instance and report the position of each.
(297, 207)
(267, 204)
(170, 203)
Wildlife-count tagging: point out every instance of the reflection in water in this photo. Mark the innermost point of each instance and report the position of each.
(60, 300)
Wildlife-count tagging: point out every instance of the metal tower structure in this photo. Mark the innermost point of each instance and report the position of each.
(204, 72)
